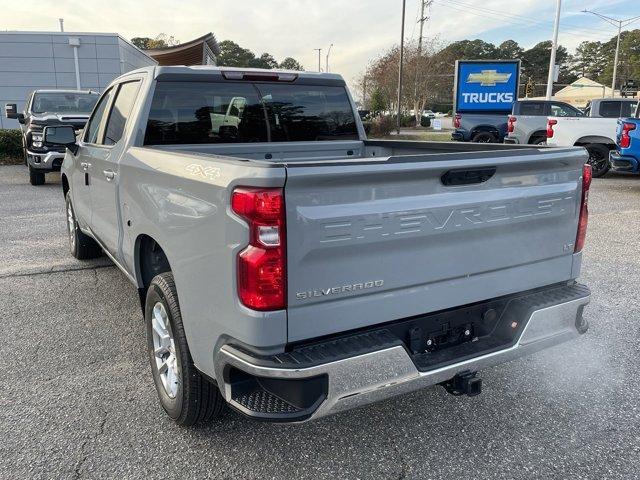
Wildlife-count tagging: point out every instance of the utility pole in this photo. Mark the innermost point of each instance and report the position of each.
(554, 49)
(61, 20)
(319, 52)
(619, 24)
(326, 60)
(400, 66)
(423, 4)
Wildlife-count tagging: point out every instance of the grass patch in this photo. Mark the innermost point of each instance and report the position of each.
(11, 160)
(422, 137)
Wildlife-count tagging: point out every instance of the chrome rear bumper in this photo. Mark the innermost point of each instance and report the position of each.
(382, 374)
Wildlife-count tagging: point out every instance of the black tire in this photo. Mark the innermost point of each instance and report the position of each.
(82, 246)
(539, 141)
(598, 159)
(36, 177)
(195, 399)
(484, 137)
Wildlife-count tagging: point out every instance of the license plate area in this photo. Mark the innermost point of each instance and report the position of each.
(451, 336)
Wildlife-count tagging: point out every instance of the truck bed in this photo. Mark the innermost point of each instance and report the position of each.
(380, 150)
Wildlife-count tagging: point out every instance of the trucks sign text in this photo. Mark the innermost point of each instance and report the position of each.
(486, 86)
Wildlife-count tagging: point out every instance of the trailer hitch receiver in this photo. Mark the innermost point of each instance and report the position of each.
(464, 383)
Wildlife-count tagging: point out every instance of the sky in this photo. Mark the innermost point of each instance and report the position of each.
(360, 30)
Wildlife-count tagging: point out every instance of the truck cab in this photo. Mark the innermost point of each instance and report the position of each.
(49, 108)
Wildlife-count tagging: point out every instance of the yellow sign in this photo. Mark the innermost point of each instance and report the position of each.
(488, 78)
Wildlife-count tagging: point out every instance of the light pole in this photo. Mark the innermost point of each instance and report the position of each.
(326, 60)
(404, 4)
(554, 49)
(319, 51)
(619, 24)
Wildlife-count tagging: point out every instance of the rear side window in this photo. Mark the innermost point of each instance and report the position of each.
(563, 110)
(241, 112)
(199, 112)
(301, 113)
(532, 108)
(610, 109)
(120, 111)
(628, 109)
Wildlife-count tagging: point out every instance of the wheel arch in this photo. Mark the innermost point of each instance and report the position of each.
(485, 128)
(537, 134)
(600, 139)
(150, 259)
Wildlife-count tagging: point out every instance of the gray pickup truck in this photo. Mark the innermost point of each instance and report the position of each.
(291, 268)
(48, 108)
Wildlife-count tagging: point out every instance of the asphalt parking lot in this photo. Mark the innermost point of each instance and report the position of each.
(77, 400)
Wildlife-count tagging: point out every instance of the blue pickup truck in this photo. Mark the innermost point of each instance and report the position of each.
(626, 156)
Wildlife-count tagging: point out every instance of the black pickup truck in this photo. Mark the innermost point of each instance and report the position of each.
(49, 108)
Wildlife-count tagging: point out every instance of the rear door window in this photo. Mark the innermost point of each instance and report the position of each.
(120, 111)
(610, 109)
(303, 113)
(200, 112)
(532, 108)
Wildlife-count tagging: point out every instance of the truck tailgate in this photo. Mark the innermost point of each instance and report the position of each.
(374, 241)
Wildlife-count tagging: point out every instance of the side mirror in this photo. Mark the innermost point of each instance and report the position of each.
(61, 135)
(11, 110)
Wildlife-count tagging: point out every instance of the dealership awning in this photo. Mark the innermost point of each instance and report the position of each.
(581, 92)
(201, 51)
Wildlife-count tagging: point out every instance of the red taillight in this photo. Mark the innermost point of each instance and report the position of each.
(625, 138)
(262, 265)
(550, 124)
(456, 120)
(584, 211)
(511, 124)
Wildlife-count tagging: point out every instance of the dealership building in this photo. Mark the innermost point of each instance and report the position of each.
(50, 60)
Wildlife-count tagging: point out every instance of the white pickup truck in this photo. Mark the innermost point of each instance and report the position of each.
(293, 268)
(596, 131)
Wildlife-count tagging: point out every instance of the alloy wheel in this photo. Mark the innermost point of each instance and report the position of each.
(71, 226)
(164, 350)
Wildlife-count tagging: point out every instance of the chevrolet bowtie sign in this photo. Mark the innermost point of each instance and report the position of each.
(486, 86)
(488, 78)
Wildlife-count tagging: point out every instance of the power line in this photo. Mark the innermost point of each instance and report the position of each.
(518, 21)
(522, 18)
(620, 24)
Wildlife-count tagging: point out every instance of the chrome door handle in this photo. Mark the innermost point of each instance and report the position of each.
(85, 165)
(109, 174)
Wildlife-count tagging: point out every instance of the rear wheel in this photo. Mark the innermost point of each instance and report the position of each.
(36, 177)
(484, 137)
(598, 158)
(184, 393)
(539, 141)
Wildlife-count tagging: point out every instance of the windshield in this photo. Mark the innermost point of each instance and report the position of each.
(58, 102)
(241, 112)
